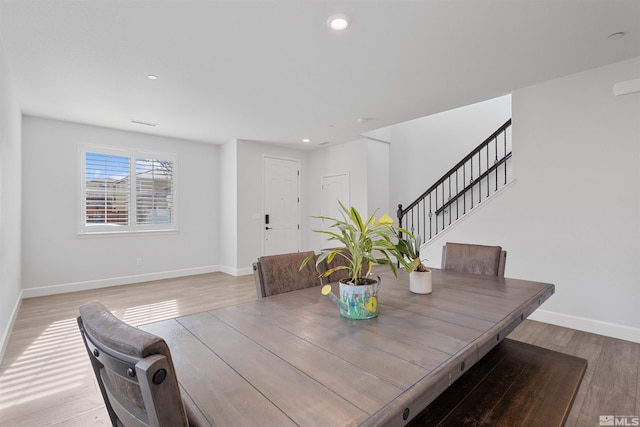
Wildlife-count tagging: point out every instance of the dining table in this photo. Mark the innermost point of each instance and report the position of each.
(292, 360)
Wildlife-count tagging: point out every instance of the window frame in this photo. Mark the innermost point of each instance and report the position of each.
(133, 228)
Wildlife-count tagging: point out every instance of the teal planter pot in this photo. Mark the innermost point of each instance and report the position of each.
(356, 302)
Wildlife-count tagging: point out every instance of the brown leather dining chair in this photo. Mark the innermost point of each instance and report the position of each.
(477, 259)
(276, 274)
(135, 373)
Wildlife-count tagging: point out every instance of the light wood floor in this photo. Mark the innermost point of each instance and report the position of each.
(46, 378)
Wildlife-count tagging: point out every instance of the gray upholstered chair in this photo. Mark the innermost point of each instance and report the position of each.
(276, 274)
(477, 259)
(135, 372)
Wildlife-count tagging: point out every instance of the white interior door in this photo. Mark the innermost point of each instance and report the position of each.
(334, 188)
(281, 206)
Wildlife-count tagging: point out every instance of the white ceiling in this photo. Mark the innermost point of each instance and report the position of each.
(273, 71)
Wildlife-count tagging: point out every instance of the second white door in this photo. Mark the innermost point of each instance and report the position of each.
(334, 188)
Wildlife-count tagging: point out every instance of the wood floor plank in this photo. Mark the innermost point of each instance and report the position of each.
(600, 401)
(637, 411)
(617, 370)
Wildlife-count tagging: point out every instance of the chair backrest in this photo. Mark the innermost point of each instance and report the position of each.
(276, 274)
(134, 371)
(477, 259)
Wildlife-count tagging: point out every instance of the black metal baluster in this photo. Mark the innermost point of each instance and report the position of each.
(413, 218)
(479, 176)
(457, 198)
(471, 183)
(464, 180)
(444, 213)
(436, 196)
(449, 199)
(430, 218)
(418, 215)
(505, 155)
(496, 161)
(487, 170)
(424, 220)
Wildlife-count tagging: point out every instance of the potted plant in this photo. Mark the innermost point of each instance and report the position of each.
(365, 242)
(408, 251)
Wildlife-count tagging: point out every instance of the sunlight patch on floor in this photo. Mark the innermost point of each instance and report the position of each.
(56, 361)
(150, 312)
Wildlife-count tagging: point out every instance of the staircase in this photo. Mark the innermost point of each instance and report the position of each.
(478, 176)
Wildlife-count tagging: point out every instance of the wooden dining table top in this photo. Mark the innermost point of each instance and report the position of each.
(291, 359)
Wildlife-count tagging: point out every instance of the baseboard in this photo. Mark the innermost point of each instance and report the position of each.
(236, 271)
(115, 281)
(6, 334)
(599, 327)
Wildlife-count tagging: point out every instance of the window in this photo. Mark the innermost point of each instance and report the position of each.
(127, 191)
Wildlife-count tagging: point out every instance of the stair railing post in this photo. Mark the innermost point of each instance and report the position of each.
(400, 215)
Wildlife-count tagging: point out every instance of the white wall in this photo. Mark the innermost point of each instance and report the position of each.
(430, 146)
(378, 178)
(55, 259)
(573, 216)
(349, 158)
(228, 207)
(10, 203)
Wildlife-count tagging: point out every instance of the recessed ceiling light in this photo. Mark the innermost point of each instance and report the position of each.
(152, 77)
(338, 22)
(615, 36)
(306, 140)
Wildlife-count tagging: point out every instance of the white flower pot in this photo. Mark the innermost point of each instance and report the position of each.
(420, 282)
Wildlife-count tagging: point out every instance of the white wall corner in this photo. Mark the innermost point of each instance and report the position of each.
(235, 271)
(6, 333)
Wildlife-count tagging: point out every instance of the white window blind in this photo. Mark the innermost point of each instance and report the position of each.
(154, 191)
(107, 189)
(126, 191)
